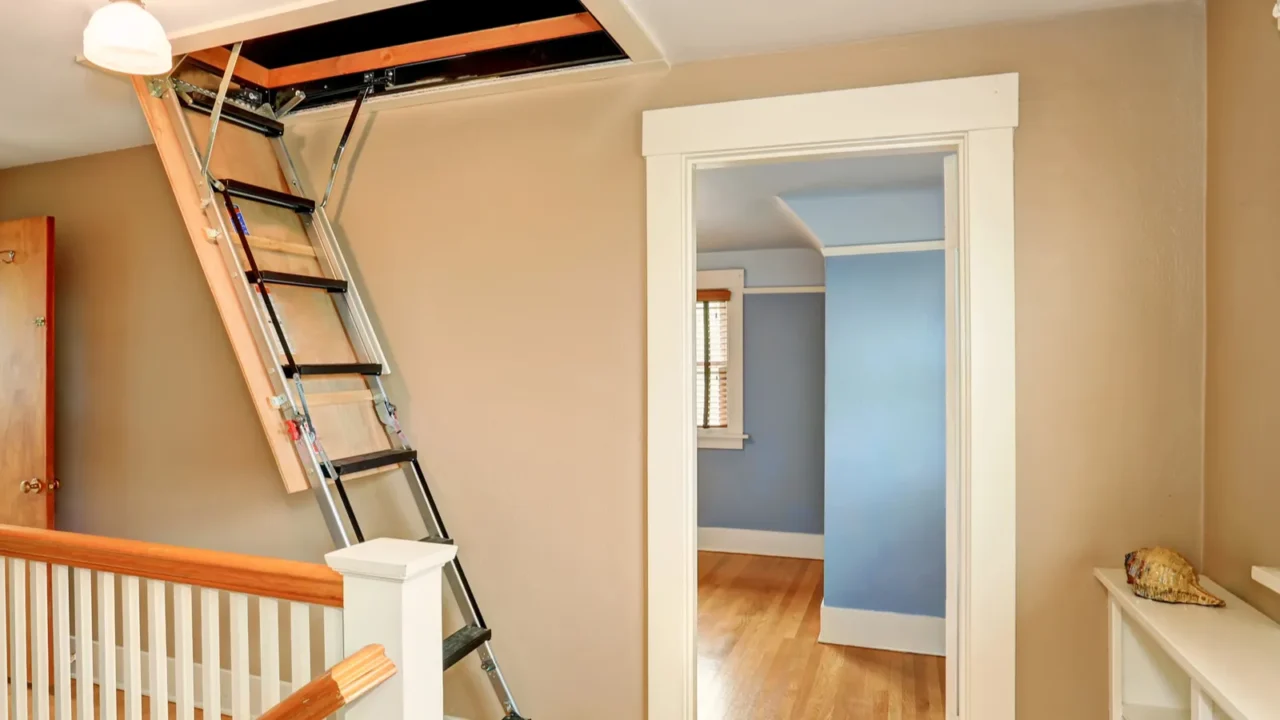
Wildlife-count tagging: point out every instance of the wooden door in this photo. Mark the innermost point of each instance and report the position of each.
(26, 372)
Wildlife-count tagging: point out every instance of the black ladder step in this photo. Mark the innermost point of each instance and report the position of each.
(371, 461)
(306, 281)
(437, 540)
(267, 196)
(332, 369)
(463, 643)
(234, 114)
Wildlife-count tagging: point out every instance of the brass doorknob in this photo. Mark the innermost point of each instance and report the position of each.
(32, 486)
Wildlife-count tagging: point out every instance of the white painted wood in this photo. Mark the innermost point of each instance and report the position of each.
(618, 18)
(333, 632)
(1115, 662)
(158, 648)
(391, 596)
(1151, 677)
(1268, 576)
(974, 117)
(671, 494)
(760, 542)
(790, 290)
(299, 644)
(18, 642)
(4, 644)
(1201, 705)
(106, 645)
(184, 676)
(914, 109)
(240, 688)
(269, 650)
(211, 652)
(1231, 653)
(951, 238)
(84, 641)
(884, 249)
(131, 665)
(733, 280)
(61, 603)
(40, 640)
(918, 634)
(1151, 712)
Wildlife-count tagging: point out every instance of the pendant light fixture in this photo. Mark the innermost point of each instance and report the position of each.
(124, 37)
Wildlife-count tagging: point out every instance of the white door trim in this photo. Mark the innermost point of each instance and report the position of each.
(975, 118)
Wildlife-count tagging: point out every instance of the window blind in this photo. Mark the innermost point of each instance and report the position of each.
(711, 323)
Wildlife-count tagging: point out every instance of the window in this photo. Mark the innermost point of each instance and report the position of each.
(717, 326)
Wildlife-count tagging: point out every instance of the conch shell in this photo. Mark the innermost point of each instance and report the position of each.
(1164, 575)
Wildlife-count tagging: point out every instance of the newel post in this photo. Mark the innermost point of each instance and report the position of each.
(392, 597)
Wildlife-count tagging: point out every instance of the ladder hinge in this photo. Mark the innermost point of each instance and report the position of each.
(279, 401)
(158, 86)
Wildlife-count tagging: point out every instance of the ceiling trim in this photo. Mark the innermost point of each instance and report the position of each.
(884, 248)
(247, 26)
(626, 30)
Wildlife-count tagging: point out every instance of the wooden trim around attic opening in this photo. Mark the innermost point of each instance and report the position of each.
(415, 52)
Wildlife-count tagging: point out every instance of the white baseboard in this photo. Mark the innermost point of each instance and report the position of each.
(760, 542)
(919, 634)
(255, 681)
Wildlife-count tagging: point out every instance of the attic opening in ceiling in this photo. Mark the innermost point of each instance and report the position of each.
(412, 46)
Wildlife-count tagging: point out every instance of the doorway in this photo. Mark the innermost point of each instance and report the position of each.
(971, 119)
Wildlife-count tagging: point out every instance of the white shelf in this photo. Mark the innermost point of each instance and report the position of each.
(1147, 712)
(1268, 576)
(1232, 654)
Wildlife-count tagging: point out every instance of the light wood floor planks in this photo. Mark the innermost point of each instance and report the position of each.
(759, 656)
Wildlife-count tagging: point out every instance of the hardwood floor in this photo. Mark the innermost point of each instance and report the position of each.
(759, 656)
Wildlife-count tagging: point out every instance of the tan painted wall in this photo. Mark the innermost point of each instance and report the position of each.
(1242, 470)
(500, 242)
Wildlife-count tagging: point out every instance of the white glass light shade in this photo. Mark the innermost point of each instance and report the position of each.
(124, 37)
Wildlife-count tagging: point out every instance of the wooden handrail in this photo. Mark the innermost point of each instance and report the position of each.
(248, 574)
(342, 685)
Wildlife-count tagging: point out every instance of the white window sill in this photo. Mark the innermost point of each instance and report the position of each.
(720, 440)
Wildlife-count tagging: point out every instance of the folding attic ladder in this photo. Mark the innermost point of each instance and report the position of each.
(331, 402)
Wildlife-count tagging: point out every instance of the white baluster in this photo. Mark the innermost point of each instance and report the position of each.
(211, 657)
(269, 651)
(240, 707)
(18, 622)
(300, 645)
(132, 612)
(40, 640)
(84, 644)
(158, 649)
(4, 648)
(184, 677)
(62, 643)
(107, 648)
(334, 649)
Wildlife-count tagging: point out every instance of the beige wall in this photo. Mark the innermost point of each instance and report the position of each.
(1242, 469)
(500, 242)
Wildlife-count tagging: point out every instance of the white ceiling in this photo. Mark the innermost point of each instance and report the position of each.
(738, 208)
(700, 29)
(55, 108)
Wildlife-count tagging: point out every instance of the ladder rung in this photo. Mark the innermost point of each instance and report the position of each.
(371, 461)
(288, 248)
(234, 114)
(437, 540)
(332, 369)
(307, 281)
(267, 196)
(463, 643)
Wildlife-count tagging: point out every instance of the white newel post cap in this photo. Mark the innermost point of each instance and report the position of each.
(390, 559)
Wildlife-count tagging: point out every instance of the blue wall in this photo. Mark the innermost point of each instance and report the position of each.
(872, 218)
(886, 433)
(776, 481)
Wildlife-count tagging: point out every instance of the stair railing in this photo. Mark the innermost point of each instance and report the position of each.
(90, 618)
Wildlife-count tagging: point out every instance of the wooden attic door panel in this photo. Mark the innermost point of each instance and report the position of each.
(309, 317)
